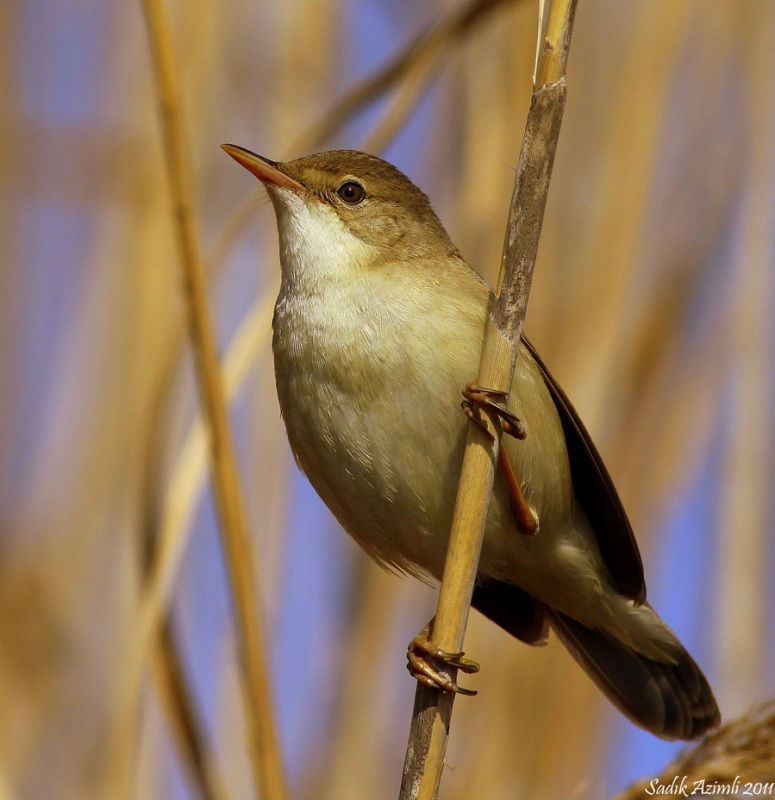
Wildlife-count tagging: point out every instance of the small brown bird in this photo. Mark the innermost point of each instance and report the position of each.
(378, 326)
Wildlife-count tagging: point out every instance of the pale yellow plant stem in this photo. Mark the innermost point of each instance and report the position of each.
(431, 719)
(262, 738)
(416, 58)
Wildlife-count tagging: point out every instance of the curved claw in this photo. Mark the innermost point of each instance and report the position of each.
(477, 397)
(421, 643)
(421, 649)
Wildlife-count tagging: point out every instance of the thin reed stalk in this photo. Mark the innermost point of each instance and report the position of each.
(183, 718)
(745, 518)
(416, 57)
(262, 738)
(432, 712)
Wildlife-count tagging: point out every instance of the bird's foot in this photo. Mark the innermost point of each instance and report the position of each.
(422, 651)
(479, 397)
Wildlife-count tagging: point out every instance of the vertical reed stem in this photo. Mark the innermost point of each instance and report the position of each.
(432, 712)
(262, 738)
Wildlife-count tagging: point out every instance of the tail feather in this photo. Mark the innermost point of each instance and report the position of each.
(671, 700)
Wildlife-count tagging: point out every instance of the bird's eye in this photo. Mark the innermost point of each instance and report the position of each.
(351, 192)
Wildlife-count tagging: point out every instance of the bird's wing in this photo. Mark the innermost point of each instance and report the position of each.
(513, 609)
(596, 494)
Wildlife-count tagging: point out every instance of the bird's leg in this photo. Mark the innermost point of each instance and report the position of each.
(478, 397)
(524, 515)
(422, 651)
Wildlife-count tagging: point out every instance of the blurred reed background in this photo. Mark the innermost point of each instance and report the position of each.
(652, 303)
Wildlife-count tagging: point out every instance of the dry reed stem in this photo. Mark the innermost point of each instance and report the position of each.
(610, 257)
(741, 751)
(407, 96)
(168, 669)
(668, 395)
(233, 226)
(421, 61)
(184, 721)
(380, 598)
(415, 56)
(183, 494)
(746, 538)
(431, 717)
(186, 486)
(262, 738)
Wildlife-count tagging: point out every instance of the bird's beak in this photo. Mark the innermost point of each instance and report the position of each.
(264, 169)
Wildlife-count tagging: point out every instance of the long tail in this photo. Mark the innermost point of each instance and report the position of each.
(672, 701)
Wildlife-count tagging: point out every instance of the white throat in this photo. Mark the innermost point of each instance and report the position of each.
(317, 251)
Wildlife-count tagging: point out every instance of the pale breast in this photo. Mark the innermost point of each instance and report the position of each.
(371, 401)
